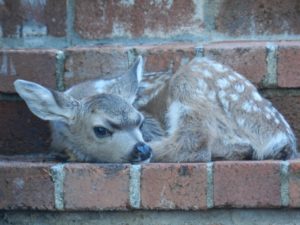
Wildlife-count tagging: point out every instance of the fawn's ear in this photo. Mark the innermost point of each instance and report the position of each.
(127, 85)
(47, 104)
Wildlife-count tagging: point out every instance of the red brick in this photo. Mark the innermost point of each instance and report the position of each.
(294, 183)
(167, 57)
(247, 184)
(89, 63)
(173, 186)
(289, 106)
(106, 19)
(288, 64)
(26, 18)
(26, 186)
(20, 131)
(96, 187)
(237, 18)
(35, 65)
(247, 58)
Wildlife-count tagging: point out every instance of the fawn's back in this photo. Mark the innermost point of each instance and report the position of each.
(212, 112)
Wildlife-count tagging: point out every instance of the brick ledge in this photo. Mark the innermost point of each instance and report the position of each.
(187, 186)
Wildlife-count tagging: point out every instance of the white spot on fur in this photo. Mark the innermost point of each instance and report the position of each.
(268, 116)
(221, 94)
(195, 68)
(220, 68)
(199, 59)
(276, 121)
(234, 97)
(207, 73)
(223, 83)
(240, 121)
(211, 95)
(175, 111)
(247, 106)
(238, 75)
(202, 85)
(256, 108)
(101, 85)
(256, 96)
(225, 103)
(248, 83)
(240, 88)
(231, 78)
(270, 110)
(223, 100)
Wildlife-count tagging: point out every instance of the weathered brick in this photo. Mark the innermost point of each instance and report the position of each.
(33, 18)
(288, 64)
(294, 183)
(35, 65)
(289, 106)
(260, 17)
(26, 186)
(247, 184)
(96, 187)
(20, 131)
(106, 19)
(173, 186)
(166, 57)
(95, 62)
(247, 58)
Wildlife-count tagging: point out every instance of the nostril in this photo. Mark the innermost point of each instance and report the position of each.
(142, 151)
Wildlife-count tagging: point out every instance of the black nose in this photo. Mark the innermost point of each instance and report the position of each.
(141, 152)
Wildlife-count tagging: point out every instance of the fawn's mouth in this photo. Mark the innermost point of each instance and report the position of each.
(140, 161)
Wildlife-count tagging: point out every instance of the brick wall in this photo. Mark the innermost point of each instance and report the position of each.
(60, 43)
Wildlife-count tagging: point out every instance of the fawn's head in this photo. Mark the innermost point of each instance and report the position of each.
(103, 126)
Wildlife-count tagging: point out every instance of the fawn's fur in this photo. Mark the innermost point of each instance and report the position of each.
(204, 112)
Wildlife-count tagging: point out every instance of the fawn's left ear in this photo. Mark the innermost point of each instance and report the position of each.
(127, 85)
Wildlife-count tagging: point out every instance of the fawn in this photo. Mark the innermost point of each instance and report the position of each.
(204, 112)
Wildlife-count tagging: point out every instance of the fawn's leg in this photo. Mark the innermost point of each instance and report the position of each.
(187, 143)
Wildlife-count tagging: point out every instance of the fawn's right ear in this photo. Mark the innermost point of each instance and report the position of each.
(47, 104)
(127, 85)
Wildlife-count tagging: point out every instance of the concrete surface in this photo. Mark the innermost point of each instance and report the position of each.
(210, 217)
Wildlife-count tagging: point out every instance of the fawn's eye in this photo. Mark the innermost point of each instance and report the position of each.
(102, 132)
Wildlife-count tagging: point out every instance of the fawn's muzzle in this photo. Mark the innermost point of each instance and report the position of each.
(141, 153)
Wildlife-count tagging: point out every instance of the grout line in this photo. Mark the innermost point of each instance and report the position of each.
(135, 185)
(60, 61)
(209, 12)
(58, 175)
(70, 21)
(199, 50)
(10, 97)
(284, 186)
(270, 79)
(210, 185)
(132, 55)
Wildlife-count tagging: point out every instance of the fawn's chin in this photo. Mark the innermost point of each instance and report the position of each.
(137, 162)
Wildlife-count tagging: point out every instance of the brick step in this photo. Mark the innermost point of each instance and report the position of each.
(272, 66)
(197, 186)
(76, 22)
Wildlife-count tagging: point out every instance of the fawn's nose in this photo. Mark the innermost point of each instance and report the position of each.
(141, 152)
